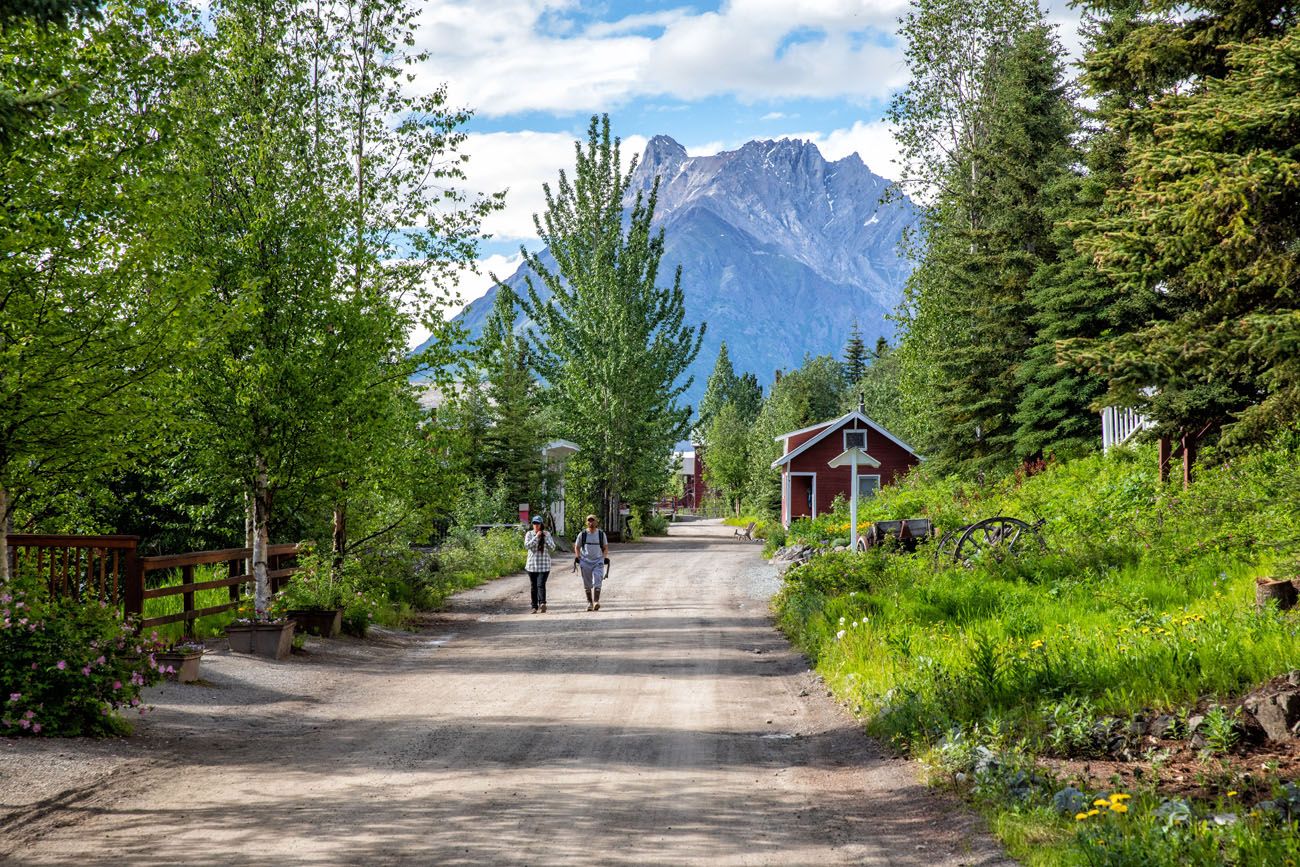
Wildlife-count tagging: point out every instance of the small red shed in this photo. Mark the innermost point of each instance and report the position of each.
(809, 484)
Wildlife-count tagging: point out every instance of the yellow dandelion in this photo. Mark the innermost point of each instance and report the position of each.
(1101, 802)
(1119, 808)
(1120, 796)
(1037, 644)
(1094, 812)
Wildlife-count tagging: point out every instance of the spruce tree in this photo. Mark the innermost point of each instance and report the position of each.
(855, 355)
(512, 443)
(1207, 220)
(717, 391)
(968, 329)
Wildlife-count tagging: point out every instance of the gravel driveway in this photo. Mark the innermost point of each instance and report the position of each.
(675, 726)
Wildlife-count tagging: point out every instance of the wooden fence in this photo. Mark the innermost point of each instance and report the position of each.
(109, 568)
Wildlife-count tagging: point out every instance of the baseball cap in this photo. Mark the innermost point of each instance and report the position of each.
(537, 519)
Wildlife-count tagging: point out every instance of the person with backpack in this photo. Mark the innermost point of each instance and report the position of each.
(539, 545)
(591, 553)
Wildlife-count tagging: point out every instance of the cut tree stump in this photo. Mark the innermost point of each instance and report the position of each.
(1282, 592)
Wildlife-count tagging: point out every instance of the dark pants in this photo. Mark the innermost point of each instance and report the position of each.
(538, 580)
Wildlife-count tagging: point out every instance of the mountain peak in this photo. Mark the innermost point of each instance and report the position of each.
(663, 151)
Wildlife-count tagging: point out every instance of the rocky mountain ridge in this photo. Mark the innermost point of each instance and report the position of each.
(781, 251)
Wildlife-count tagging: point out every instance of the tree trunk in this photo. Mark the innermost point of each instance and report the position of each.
(1282, 592)
(340, 541)
(610, 518)
(4, 535)
(261, 515)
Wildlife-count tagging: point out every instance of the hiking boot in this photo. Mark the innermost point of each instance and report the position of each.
(543, 608)
(534, 609)
(589, 607)
(597, 592)
(597, 606)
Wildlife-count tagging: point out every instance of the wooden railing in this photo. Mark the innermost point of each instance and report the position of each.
(235, 560)
(108, 568)
(81, 567)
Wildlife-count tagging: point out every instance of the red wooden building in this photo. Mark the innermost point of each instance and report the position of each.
(809, 484)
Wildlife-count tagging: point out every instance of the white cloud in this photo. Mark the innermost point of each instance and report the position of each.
(519, 163)
(705, 150)
(773, 115)
(469, 288)
(500, 59)
(873, 141)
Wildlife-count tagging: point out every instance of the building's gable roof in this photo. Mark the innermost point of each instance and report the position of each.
(830, 428)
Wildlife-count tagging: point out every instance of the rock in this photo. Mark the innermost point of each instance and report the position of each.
(1293, 678)
(1162, 725)
(1277, 714)
(840, 548)
(1194, 722)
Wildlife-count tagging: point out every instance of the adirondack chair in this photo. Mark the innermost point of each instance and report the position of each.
(747, 533)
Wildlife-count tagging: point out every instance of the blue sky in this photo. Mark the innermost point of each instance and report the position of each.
(712, 75)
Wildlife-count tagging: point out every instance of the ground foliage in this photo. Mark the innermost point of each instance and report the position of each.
(1143, 600)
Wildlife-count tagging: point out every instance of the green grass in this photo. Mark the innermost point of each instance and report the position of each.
(1143, 599)
(204, 627)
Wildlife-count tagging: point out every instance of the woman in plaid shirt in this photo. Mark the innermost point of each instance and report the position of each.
(539, 545)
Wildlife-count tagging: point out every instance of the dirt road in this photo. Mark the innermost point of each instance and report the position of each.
(675, 726)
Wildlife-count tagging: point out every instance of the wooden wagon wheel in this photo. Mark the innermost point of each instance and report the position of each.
(998, 538)
(947, 547)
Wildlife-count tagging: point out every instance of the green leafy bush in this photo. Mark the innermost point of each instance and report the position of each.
(68, 667)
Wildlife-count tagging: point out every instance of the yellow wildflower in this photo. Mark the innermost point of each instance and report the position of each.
(1120, 796)
(1232, 794)
(1119, 808)
(1101, 802)
(1079, 817)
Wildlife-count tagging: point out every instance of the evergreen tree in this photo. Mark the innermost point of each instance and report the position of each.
(610, 342)
(727, 464)
(1209, 219)
(1144, 56)
(967, 329)
(512, 443)
(855, 356)
(720, 388)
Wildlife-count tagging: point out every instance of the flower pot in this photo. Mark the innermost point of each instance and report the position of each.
(327, 622)
(240, 636)
(273, 639)
(185, 666)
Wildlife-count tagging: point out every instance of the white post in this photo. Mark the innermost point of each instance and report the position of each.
(853, 503)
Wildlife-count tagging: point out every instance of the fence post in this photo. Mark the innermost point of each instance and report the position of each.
(133, 598)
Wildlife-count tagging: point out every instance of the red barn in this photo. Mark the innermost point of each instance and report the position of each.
(809, 484)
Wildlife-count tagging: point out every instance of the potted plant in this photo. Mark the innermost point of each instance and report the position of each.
(181, 661)
(261, 633)
(314, 598)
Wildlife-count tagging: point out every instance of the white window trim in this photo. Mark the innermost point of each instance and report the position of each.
(790, 500)
(862, 476)
(844, 437)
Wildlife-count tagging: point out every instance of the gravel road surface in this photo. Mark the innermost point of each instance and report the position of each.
(674, 726)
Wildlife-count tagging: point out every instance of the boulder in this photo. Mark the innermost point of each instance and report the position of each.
(1278, 714)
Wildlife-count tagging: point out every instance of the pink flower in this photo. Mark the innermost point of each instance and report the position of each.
(25, 723)
(14, 696)
(61, 665)
(117, 684)
(30, 714)
(100, 661)
(36, 728)
(86, 671)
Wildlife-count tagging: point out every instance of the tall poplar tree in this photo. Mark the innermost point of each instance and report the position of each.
(611, 343)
